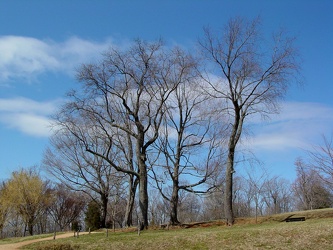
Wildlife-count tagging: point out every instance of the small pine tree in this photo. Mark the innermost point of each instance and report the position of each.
(93, 216)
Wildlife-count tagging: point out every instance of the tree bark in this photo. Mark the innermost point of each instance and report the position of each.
(143, 198)
(233, 140)
(228, 192)
(174, 205)
(143, 182)
(31, 226)
(104, 199)
(130, 201)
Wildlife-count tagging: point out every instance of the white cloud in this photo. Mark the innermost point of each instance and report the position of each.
(297, 126)
(21, 104)
(28, 116)
(25, 57)
(31, 124)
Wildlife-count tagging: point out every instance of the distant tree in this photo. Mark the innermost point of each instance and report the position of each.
(158, 208)
(256, 186)
(320, 158)
(250, 78)
(66, 206)
(28, 195)
(242, 199)
(93, 216)
(277, 195)
(4, 209)
(190, 207)
(213, 206)
(309, 189)
(117, 209)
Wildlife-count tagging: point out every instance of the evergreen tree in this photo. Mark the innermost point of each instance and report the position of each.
(93, 216)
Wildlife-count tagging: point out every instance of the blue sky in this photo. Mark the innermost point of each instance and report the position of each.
(43, 42)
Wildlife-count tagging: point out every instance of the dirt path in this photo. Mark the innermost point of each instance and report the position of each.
(16, 246)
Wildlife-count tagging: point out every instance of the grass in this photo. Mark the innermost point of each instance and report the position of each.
(314, 233)
(21, 239)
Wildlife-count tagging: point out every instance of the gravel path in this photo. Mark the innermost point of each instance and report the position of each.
(16, 246)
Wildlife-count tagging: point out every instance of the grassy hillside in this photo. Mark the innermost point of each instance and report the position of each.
(270, 233)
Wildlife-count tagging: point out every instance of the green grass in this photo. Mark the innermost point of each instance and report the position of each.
(311, 234)
(314, 233)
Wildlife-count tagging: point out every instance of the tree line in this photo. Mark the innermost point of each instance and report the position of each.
(154, 117)
(31, 204)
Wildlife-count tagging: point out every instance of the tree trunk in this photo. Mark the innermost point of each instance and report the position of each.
(143, 200)
(31, 227)
(143, 178)
(143, 192)
(130, 201)
(174, 205)
(233, 140)
(228, 192)
(105, 199)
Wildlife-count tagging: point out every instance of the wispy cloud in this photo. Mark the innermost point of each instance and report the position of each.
(28, 116)
(297, 126)
(26, 57)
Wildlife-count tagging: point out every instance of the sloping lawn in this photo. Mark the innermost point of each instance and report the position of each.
(310, 234)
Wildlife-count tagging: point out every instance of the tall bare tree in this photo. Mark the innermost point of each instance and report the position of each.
(123, 95)
(188, 142)
(252, 76)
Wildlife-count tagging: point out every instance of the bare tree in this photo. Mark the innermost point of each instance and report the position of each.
(256, 184)
(213, 206)
(242, 197)
(321, 159)
(158, 207)
(68, 161)
(190, 207)
(124, 95)
(277, 195)
(309, 189)
(252, 78)
(188, 142)
(126, 147)
(118, 206)
(66, 206)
